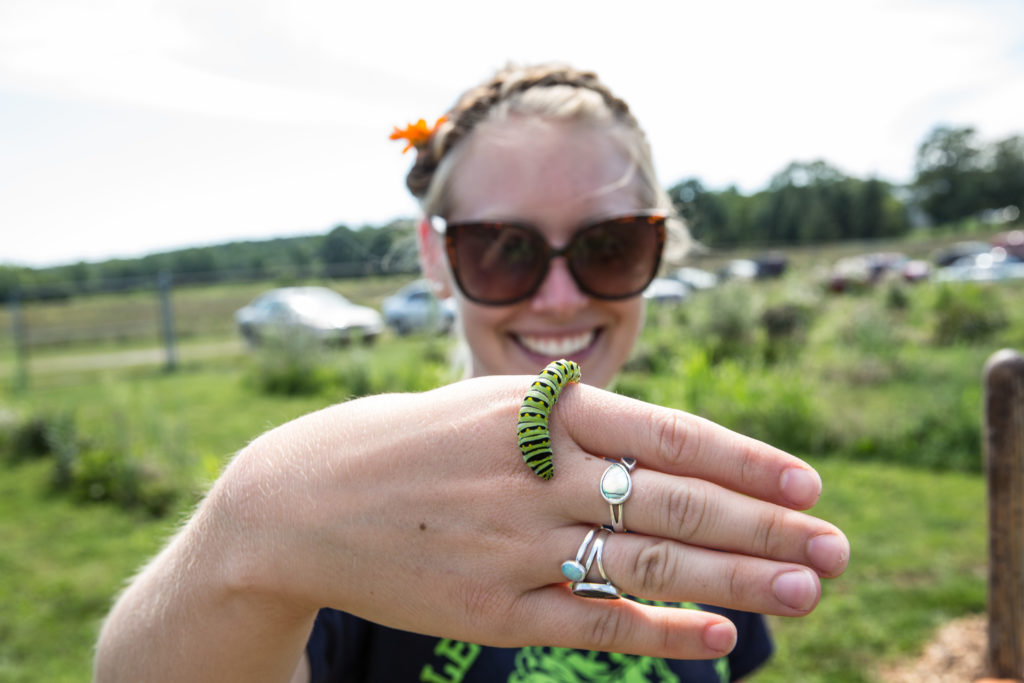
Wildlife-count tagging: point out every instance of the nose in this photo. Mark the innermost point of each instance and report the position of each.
(559, 293)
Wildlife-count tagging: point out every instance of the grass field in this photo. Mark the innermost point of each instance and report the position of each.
(862, 386)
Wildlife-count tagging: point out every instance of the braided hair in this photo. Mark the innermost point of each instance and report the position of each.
(553, 90)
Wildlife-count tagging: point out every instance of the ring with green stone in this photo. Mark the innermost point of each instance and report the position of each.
(577, 570)
(616, 485)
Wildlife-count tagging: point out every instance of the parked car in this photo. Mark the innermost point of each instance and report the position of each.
(947, 255)
(739, 269)
(317, 311)
(771, 265)
(993, 265)
(916, 270)
(695, 278)
(414, 308)
(664, 290)
(1012, 241)
(857, 272)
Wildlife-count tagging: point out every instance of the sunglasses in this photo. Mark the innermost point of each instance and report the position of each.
(499, 263)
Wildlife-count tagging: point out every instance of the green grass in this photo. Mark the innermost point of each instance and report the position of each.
(918, 541)
(60, 568)
(858, 384)
(918, 558)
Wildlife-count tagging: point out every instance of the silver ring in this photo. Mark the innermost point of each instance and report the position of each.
(593, 589)
(576, 570)
(616, 485)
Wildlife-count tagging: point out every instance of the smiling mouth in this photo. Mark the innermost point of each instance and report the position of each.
(555, 347)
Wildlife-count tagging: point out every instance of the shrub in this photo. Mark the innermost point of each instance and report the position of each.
(290, 365)
(774, 406)
(725, 325)
(896, 298)
(942, 431)
(90, 472)
(36, 436)
(353, 374)
(785, 327)
(107, 474)
(968, 313)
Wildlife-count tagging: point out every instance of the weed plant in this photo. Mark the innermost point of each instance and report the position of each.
(969, 313)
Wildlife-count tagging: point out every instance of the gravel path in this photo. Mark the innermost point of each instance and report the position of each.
(103, 360)
(955, 655)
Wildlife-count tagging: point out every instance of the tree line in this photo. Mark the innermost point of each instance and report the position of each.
(957, 177)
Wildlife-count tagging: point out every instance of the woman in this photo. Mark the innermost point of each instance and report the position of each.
(414, 518)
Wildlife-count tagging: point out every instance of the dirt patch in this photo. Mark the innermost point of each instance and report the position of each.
(955, 655)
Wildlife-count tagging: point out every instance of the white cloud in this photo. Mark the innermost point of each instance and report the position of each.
(133, 125)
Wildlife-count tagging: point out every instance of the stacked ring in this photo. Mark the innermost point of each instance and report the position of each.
(576, 571)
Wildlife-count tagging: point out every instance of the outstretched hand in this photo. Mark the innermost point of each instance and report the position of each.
(417, 511)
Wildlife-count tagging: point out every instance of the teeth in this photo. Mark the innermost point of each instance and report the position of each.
(558, 346)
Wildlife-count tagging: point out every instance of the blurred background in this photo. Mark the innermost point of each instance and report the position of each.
(204, 233)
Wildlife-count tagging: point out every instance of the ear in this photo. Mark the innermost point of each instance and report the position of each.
(432, 258)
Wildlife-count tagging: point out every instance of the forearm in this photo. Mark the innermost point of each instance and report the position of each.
(196, 613)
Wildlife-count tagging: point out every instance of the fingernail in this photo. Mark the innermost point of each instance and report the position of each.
(800, 486)
(829, 553)
(720, 637)
(797, 589)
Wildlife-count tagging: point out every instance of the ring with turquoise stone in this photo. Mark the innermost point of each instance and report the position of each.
(616, 485)
(576, 570)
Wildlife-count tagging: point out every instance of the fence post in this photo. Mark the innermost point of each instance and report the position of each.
(20, 344)
(1004, 465)
(167, 320)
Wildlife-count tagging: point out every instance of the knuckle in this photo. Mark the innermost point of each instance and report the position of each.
(687, 511)
(605, 629)
(765, 533)
(654, 568)
(736, 584)
(750, 458)
(676, 436)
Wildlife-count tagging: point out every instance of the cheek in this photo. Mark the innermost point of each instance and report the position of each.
(630, 316)
(482, 319)
(482, 326)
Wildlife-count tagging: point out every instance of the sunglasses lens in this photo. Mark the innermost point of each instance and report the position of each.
(618, 258)
(496, 263)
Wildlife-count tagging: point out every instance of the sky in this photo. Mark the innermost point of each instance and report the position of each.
(130, 127)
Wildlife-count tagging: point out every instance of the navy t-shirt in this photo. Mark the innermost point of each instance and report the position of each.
(346, 648)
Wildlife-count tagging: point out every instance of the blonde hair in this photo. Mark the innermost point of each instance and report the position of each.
(553, 91)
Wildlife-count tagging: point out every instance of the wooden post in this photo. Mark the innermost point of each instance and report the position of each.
(1004, 465)
(167, 320)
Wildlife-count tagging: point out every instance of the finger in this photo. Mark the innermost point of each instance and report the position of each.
(700, 513)
(657, 569)
(660, 569)
(676, 442)
(555, 617)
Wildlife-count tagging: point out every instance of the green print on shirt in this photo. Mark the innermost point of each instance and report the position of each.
(545, 664)
(457, 656)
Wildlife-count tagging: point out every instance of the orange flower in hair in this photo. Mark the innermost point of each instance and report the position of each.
(416, 134)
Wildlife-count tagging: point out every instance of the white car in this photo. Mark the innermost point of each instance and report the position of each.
(993, 265)
(414, 308)
(317, 311)
(695, 278)
(664, 290)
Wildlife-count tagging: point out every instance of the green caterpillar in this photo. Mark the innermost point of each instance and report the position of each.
(534, 440)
